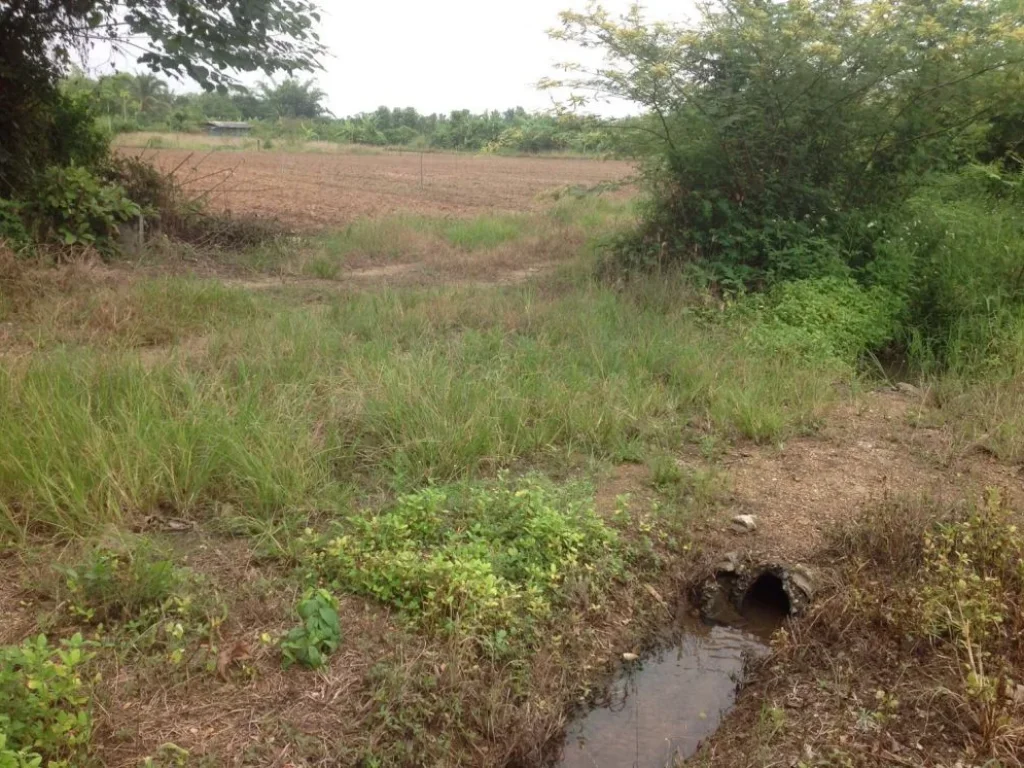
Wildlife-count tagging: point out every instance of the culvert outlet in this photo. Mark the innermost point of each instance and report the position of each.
(757, 594)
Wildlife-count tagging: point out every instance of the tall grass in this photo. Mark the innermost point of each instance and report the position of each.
(287, 409)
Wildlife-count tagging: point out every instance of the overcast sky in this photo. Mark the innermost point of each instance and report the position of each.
(445, 54)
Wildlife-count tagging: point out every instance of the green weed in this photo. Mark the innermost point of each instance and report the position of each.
(482, 232)
(318, 636)
(486, 561)
(119, 585)
(282, 411)
(44, 704)
(323, 268)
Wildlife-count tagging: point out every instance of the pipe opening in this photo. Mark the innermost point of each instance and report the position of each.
(766, 602)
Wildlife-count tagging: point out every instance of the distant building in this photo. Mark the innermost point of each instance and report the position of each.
(224, 128)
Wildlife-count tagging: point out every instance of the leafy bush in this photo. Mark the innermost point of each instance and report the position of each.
(44, 708)
(145, 185)
(318, 636)
(12, 228)
(827, 318)
(74, 207)
(486, 560)
(780, 128)
(954, 254)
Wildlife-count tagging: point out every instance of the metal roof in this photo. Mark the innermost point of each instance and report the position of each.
(228, 124)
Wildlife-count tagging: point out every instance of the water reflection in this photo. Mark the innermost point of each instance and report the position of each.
(663, 708)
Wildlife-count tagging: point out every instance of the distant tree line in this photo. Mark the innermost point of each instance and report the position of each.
(295, 109)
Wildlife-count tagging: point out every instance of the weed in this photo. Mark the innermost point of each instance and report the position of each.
(323, 268)
(665, 471)
(482, 232)
(486, 561)
(318, 636)
(119, 585)
(44, 705)
(418, 385)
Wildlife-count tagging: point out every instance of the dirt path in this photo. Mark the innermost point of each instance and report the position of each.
(869, 449)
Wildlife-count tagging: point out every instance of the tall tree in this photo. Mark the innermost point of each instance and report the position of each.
(206, 40)
(150, 93)
(295, 98)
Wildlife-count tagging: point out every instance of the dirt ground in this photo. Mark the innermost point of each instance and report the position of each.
(311, 190)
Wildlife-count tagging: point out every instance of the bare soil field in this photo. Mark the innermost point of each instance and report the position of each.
(309, 190)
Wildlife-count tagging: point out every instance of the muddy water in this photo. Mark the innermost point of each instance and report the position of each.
(662, 708)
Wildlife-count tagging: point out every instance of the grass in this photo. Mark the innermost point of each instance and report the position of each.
(417, 471)
(286, 405)
(462, 246)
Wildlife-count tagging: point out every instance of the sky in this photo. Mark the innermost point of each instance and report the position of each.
(445, 54)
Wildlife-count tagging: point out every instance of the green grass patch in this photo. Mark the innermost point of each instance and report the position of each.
(483, 232)
(385, 238)
(285, 410)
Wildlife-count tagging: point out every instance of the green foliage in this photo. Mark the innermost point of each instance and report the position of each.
(974, 577)
(318, 636)
(955, 255)
(120, 584)
(12, 227)
(781, 128)
(44, 706)
(826, 318)
(486, 560)
(73, 207)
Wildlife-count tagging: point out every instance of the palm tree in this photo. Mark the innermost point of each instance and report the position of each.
(150, 93)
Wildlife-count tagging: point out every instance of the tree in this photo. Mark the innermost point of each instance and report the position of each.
(294, 99)
(777, 124)
(206, 41)
(150, 93)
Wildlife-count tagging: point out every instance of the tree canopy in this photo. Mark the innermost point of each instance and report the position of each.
(206, 41)
(779, 122)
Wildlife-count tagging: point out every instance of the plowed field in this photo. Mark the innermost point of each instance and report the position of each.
(308, 190)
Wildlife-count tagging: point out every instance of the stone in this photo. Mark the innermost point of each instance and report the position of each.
(908, 389)
(744, 523)
(729, 563)
(802, 579)
(629, 657)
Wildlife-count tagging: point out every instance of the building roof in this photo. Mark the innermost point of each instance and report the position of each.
(228, 124)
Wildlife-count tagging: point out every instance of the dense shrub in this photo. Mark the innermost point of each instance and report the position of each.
(786, 130)
(955, 255)
(12, 227)
(74, 207)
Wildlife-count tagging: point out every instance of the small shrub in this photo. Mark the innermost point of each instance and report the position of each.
(73, 207)
(44, 707)
(114, 585)
(318, 636)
